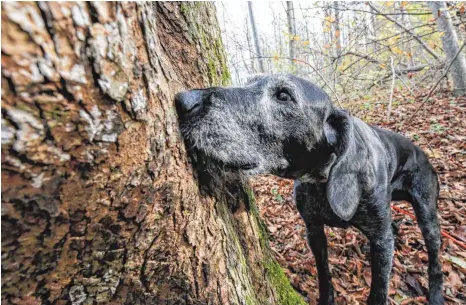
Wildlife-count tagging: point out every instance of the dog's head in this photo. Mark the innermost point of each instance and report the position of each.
(277, 124)
(250, 128)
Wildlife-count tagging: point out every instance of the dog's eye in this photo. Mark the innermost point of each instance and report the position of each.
(283, 96)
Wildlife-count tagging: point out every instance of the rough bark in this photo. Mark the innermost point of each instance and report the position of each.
(450, 46)
(99, 201)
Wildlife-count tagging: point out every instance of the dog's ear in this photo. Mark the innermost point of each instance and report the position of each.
(343, 187)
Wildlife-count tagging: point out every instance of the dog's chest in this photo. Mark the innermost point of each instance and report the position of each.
(311, 201)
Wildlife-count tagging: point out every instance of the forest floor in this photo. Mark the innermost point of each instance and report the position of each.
(439, 128)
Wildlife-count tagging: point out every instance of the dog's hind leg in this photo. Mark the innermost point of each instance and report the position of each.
(424, 194)
(318, 243)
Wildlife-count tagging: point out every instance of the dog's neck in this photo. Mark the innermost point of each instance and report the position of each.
(319, 174)
(308, 165)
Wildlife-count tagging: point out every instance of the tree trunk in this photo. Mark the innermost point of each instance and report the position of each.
(99, 202)
(255, 38)
(336, 10)
(292, 33)
(252, 55)
(374, 28)
(337, 37)
(406, 19)
(450, 46)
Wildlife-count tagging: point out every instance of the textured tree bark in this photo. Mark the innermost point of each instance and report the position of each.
(451, 46)
(99, 202)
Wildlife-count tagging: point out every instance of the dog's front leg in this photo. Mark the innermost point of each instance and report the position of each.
(318, 243)
(381, 266)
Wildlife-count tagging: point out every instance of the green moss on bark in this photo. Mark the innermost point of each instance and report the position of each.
(214, 58)
(213, 51)
(286, 294)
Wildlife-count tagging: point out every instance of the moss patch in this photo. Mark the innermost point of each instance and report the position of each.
(286, 294)
(209, 41)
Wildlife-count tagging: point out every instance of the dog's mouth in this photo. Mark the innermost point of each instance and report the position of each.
(244, 167)
(201, 157)
(206, 156)
(249, 166)
(233, 166)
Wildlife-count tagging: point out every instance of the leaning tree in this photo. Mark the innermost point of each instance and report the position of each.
(99, 201)
(451, 46)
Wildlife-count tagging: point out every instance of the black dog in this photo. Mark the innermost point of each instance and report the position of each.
(346, 172)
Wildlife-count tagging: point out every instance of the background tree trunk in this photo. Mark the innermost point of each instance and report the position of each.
(450, 46)
(99, 202)
(255, 38)
(292, 33)
(374, 30)
(338, 45)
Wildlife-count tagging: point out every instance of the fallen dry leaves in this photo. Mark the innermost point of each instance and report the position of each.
(440, 129)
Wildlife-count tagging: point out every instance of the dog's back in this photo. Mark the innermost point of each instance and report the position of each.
(406, 161)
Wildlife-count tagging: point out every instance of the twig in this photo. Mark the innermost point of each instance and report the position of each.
(453, 239)
(414, 35)
(392, 89)
(364, 56)
(358, 250)
(414, 300)
(431, 150)
(400, 77)
(400, 72)
(444, 234)
(435, 86)
(315, 70)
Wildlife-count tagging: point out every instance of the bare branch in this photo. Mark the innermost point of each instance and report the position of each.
(435, 86)
(415, 36)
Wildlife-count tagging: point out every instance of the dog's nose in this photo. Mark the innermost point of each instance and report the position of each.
(188, 102)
